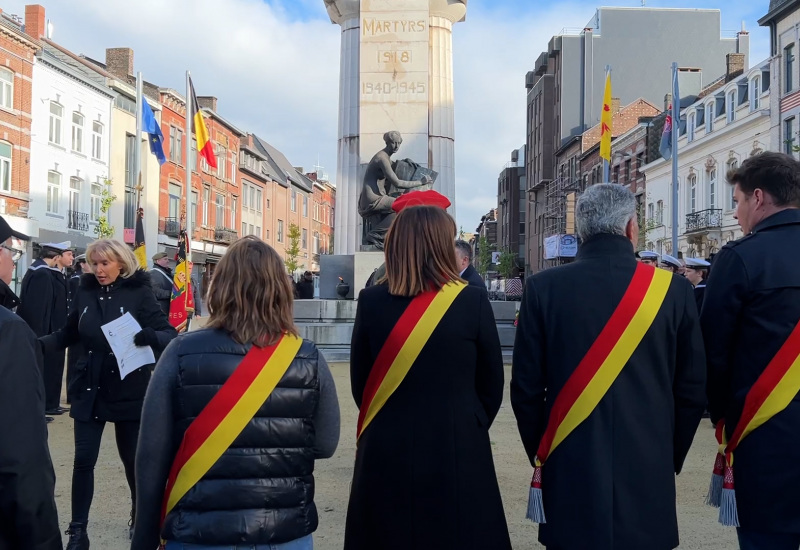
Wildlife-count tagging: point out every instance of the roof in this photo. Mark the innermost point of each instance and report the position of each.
(778, 9)
(59, 61)
(283, 166)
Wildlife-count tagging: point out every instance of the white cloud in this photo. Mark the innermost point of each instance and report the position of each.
(275, 69)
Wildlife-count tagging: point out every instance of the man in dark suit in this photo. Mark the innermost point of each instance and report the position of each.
(751, 306)
(610, 483)
(464, 263)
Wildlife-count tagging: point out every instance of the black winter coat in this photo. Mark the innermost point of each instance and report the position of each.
(611, 483)
(424, 475)
(473, 277)
(97, 392)
(43, 299)
(752, 303)
(161, 280)
(28, 515)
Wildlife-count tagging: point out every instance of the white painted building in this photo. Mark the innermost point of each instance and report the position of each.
(70, 150)
(727, 124)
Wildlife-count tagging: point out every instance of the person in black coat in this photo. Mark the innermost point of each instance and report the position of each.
(44, 306)
(424, 475)
(115, 287)
(305, 288)
(610, 484)
(752, 304)
(74, 352)
(161, 279)
(697, 273)
(28, 515)
(464, 264)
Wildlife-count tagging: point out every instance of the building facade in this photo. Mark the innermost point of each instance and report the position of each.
(512, 204)
(727, 124)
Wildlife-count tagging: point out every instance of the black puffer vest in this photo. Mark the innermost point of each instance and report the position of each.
(261, 490)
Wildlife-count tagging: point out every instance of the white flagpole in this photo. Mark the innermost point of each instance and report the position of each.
(188, 186)
(676, 126)
(137, 152)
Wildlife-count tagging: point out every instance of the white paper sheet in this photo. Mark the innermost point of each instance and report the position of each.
(120, 333)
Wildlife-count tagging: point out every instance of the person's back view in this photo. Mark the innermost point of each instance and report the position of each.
(262, 394)
(607, 386)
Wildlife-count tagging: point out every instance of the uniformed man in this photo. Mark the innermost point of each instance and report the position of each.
(628, 435)
(751, 327)
(161, 280)
(648, 257)
(697, 273)
(44, 306)
(74, 351)
(670, 263)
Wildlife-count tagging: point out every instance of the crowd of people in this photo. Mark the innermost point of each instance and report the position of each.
(614, 363)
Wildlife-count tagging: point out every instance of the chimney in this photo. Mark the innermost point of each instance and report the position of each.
(119, 61)
(734, 65)
(614, 105)
(207, 102)
(35, 22)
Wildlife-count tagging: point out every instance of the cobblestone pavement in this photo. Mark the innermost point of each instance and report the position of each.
(699, 529)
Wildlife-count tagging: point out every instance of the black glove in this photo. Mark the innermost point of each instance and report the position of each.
(146, 337)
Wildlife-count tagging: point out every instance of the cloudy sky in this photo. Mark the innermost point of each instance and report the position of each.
(274, 65)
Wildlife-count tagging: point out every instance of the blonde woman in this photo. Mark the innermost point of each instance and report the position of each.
(263, 395)
(115, 286)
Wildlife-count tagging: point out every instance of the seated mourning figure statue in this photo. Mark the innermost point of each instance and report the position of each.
(383, 184)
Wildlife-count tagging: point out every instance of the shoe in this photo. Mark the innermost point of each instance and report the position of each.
(131, 524)
(63, 409)
(78, 538)
(57, 411)
(48, 419)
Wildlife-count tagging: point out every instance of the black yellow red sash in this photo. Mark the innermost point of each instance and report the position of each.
(598, 369)
(772, 392)
(226, 415)
(402, 347)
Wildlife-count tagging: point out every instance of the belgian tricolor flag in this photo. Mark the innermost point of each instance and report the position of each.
(182, 302)
(138, 239)
(204, 145)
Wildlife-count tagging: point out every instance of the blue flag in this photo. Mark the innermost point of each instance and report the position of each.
(155, 137)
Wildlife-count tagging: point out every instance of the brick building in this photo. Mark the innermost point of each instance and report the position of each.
(323, 217)
(511, 208)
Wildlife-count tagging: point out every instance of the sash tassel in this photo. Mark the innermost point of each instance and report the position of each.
(535, 511)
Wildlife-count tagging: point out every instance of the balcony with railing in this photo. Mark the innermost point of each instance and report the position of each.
(225, 235)
(77, 220)
(172, 227)
(703, 220)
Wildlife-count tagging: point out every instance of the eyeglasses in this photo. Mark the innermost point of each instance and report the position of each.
(15, 253)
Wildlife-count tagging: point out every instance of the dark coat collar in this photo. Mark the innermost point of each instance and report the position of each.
(138, 279)
(790, 216)
(8, 299)
(606, 245)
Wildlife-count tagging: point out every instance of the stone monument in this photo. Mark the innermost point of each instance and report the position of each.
(396, 72)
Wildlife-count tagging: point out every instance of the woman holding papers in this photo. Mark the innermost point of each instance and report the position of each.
(426, 371)
(235, 417)
(115, 291)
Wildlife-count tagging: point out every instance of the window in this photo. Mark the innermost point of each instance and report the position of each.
(74, 194)
(305, 238)
(315, 243)
(651, 211)
(174, 200)
(712, 188)
(258, 231)
(56, 114)
(258, 200)
(788, 67)
(193, 158)
(709, 117)
(280, 231)
(53, 192)
(692, 193)
(733, 164)
(5, 167)
(97, 140)
(234, 200)
(222, 155)
(690, 124)
(244, 229)
(788, 135)
(6, 89)
(233, 167)
(294, 201)
(755, 93)
(77, 132)
(266, 237)
(305, 206)
(206, 200)
(220, 202)
(628, 171)
(175, 144)
(193, 210)
(96, 200)
(660, 212)
(731, 107)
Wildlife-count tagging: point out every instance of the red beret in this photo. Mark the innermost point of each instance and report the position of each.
(421, 198)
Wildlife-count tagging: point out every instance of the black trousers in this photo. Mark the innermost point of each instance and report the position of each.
(87, 447)
(53, 377)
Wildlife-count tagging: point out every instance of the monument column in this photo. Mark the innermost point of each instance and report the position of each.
(441, 126)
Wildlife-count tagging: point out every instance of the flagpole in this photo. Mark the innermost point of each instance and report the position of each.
(676, 125)
(137, 152)
(189, 228)
(606, 163)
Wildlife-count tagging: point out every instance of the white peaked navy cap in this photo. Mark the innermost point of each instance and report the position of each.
(58, 247)
(697, 263)
(648, 255)
(670, 261)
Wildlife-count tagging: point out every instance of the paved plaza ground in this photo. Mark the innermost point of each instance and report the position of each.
(109, 515)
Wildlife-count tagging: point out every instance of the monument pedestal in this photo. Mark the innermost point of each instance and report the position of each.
(355, 269)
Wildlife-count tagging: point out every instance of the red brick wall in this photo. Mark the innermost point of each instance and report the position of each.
(624, 120)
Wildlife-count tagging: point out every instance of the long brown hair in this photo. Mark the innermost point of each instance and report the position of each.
(250, 296)
(420, 251)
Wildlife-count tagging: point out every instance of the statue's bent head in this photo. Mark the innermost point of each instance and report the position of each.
(393, 140)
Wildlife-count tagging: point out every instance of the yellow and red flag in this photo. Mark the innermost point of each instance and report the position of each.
(204, 144)
(182, 301)
(605, 122)
(138, 240)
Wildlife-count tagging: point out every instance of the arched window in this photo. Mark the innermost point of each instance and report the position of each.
(6, 89)
(712, 188)
(755, 93)
(692, 185)
(53, 192)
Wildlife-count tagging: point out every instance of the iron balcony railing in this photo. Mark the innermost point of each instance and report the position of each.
(172, 227)
(77, 220)
(704, 219)
(225, 235)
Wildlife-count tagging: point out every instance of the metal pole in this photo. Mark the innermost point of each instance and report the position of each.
(188, 185)
(606, 171)
(676, 125)
(607, 162)
(137, 152)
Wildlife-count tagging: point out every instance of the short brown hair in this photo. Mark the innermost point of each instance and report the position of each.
(111, 249)
(419, 251)
(250, 296)
(777, 174)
